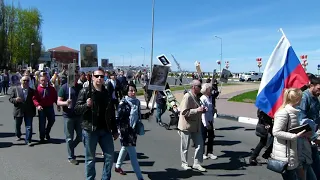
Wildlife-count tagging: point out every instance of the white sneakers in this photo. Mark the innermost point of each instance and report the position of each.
(195, 166)
(210, 156)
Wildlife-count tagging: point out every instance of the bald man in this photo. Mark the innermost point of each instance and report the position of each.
(190, 126)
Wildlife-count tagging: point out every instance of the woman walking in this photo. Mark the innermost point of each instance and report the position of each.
(285, 143)
(129, 125)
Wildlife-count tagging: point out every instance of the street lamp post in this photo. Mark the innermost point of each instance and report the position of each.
(220, 52)
(131, 58)
(31, 54)
(152, 35)
(144, 55)
(122, 61)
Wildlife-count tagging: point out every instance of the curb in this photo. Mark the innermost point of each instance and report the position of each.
(241, 119)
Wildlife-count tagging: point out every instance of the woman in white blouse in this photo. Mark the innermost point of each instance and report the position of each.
(207, 120)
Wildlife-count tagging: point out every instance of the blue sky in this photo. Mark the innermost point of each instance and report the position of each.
(185, 29)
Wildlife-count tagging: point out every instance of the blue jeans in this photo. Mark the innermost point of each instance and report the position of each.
(46, 113)
(90, 141)
(72, 125)
(290, 175)
(133, 157)
(28, 125)
(316, 161)
(161, 108)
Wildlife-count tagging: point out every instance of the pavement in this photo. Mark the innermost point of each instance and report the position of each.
(158, 154)
(242, 112)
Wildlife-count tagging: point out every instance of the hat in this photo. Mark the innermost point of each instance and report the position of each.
(112, 73)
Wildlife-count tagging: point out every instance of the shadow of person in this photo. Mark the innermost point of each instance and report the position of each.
(172, 174)
(225, 143)
(237, 161)
(5, 144)
(6, 134)
(229, 128)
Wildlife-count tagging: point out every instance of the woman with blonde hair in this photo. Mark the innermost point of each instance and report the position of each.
(285, 143)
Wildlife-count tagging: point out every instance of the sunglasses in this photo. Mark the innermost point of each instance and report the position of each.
(26, 80)
(199, 86)
(97, 76)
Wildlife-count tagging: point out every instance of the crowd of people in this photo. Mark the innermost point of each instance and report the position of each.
(102, 106)
(293, 154)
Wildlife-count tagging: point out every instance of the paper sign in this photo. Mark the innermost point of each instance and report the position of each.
(71, 74)
(164, 60)
(41, 67)
(158, 78)
(89, 55)
(225, 75)
(198, 68)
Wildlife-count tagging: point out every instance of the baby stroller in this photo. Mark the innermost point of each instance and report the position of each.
(172, 106)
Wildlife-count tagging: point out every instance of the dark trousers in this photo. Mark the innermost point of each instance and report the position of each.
(5, 86)
(316, 161)
(208, 134)
(27, 124)
(262, 143)
(44, 128)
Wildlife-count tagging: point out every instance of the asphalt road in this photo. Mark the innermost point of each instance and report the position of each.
(158, 154)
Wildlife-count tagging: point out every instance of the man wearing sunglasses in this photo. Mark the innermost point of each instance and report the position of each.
(24, 109)
(98, 124)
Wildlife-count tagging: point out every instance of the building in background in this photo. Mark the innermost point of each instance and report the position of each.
(64, 55)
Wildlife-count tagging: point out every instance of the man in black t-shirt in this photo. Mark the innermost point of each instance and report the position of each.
(98, 124)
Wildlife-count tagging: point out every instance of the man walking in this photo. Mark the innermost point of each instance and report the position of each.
(98, 124)
(190, 126)
(45, 97)
(72, 122)
(24, 109)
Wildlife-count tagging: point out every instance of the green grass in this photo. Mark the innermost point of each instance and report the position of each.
(247, 97)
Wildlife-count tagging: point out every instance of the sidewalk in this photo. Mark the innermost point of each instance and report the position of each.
(242, 112)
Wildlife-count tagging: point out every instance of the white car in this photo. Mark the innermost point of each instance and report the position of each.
(251, 76)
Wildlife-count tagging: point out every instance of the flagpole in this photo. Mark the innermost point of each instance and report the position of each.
(281, 30)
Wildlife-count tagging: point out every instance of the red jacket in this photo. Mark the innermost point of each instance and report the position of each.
(45, 96)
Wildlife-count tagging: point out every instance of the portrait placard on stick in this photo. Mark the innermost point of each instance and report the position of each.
(158, 78)
(225, 75)
(71, 74)
(89, 55)
(164, 60)
(104, 63)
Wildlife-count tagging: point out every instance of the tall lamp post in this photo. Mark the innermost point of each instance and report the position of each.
(131, 58)
(152, 35)
(144, 55)
(220, 52)
(31, 54)
(122, 61)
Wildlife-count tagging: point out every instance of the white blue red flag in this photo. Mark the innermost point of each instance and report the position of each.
(283, 70)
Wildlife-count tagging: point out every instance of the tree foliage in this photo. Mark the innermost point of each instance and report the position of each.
(20, 35)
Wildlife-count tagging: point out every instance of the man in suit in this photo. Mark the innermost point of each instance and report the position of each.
(114, 89)
(24, 109)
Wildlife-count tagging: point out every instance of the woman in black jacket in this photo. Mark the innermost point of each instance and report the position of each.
(264, 127)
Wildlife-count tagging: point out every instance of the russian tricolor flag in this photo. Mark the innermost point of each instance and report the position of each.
(283, 70)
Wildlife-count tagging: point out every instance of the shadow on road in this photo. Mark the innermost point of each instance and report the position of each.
(6, 134)
(230, 175)
(172, 174)
(51, 141)
(225, 142)
(237, 161)
(250, 129)
(5, 144)
(229, 128)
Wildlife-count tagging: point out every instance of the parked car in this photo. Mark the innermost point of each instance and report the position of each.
(251, 76)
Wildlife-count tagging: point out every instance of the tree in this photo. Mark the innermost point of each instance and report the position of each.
(19, 29)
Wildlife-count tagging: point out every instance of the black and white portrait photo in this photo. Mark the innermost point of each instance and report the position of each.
(158, 78)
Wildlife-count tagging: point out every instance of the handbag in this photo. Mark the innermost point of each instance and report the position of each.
(278, 165)
(261, 131)
(140, 128)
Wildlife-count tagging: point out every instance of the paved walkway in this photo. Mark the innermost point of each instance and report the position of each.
(230, 108)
